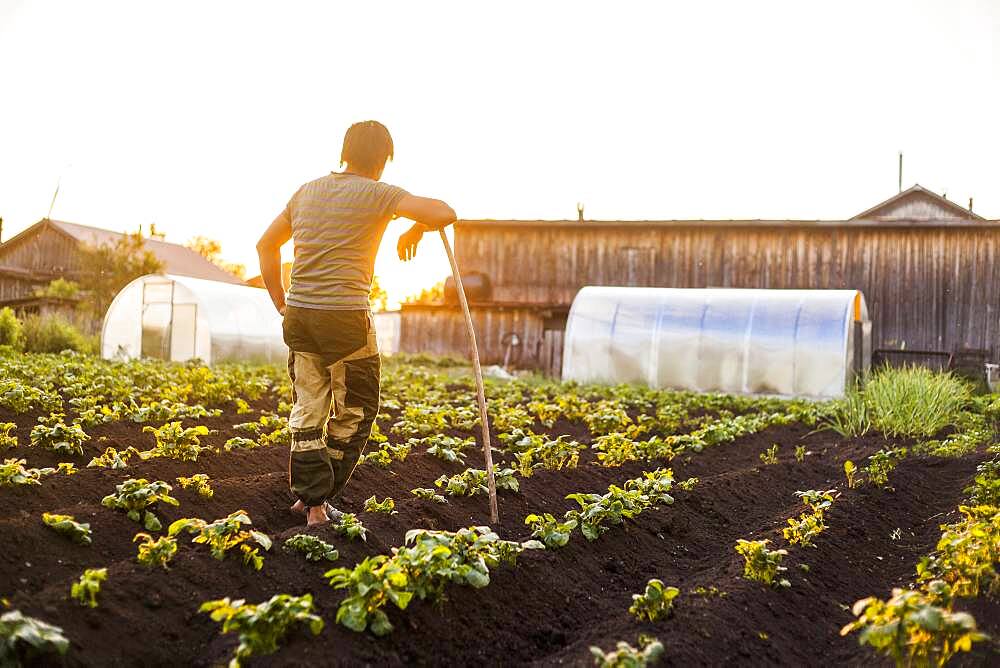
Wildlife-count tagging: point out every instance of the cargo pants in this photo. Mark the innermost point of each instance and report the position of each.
(334, 366)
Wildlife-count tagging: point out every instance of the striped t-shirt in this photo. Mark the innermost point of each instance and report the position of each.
(337, 225)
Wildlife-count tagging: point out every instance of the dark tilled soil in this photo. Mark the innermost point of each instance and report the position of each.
(549, 609)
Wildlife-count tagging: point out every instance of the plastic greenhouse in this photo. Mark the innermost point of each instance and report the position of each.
(179, 318)
(796, 343)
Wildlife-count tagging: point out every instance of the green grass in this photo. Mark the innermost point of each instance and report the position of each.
(908, 401)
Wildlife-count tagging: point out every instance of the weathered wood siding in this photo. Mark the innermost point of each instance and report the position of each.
(934, 286)
(33, 261)
(440, 330)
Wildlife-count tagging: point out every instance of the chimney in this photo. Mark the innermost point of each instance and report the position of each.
(1, 229)
(579, 211)
(970, 208)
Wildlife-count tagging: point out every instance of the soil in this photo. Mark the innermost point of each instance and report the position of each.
(549, 609)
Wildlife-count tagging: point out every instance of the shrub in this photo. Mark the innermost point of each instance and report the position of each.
(11, 329)
(54, 334)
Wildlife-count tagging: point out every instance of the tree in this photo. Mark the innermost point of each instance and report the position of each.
(431, 295)
(211, 250)
(378, 297)
(105, 270)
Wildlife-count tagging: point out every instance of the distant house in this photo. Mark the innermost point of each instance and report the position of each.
(51, 249)
(928, 267)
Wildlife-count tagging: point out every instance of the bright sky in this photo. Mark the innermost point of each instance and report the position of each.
(204, 117)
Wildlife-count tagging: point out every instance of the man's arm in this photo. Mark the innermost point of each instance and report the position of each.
(428, 214)
(269, 252)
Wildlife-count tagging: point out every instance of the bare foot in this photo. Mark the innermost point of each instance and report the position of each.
(316, 515)
(299, 507)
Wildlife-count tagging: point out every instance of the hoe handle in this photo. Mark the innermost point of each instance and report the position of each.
(480, 392)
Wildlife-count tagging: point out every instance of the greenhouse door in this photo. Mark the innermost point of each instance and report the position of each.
(182, 332)
(157, 311)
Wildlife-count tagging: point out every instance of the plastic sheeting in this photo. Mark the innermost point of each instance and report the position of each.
(179, 318)
(796, 343)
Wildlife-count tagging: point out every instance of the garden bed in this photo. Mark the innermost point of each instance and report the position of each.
(550, 608)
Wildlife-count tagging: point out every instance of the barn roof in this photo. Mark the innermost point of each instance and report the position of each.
(918, 203)
(176, 259)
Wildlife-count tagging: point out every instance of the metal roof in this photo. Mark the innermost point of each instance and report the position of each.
(177, 259)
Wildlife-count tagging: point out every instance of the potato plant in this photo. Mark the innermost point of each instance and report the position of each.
(20, 397)
(312, 548)
(655, 603)
(428, 494)
(851, 472)
(136, 496)
(769, 456)
(225, 534)
(985, 487)
(762, 564)
(422, 567)
(350, 526)
(66, 525)
(52, 433)
(8, 439)
(176, 442)
(384, 456)
(155, 552)
(24, 638)
(373, 505)
(881, 464)
(240, 443)
(549, 530)
(597, 511)
(14, 472)
(199, 483)
(113, 459)
(446, 448)
(915, 628)
(261, 626)
(554, 455)
(967, 553)
(625, 656)
(473, 481)
(85, 591)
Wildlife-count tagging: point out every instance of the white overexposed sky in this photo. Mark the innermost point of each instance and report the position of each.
(204, 117)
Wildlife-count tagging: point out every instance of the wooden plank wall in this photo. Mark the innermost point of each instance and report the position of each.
(43, 255)
(933, 287)
(440, 330)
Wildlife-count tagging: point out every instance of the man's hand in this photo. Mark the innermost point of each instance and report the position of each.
(406, 247)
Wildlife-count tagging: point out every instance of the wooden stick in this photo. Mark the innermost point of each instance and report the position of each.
(480, 391)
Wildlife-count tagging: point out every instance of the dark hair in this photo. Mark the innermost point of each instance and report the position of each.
(367, 145)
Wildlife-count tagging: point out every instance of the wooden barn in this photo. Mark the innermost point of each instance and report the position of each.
(50, 249)
(929, 270)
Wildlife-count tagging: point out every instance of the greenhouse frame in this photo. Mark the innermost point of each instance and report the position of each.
(792, 343)
(180, 318)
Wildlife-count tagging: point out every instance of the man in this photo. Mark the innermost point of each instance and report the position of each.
(337, 223)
